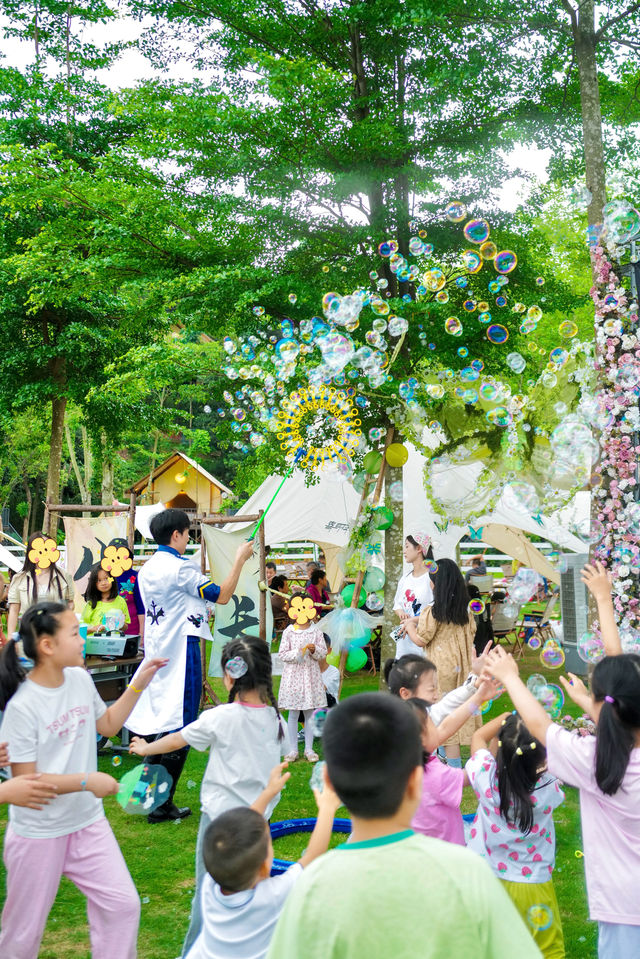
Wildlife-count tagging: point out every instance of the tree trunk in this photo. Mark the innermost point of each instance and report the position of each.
(74, 464)
(27, 519)
(584, 35)
(107, 472)
(58, 408)
(87, 453)
(393, 560)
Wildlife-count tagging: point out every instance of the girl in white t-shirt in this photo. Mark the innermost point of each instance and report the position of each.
(245, 737)
(50, 722)
(414, 591)
(513, 829)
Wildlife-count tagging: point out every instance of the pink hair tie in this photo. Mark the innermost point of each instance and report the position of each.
(609, 699)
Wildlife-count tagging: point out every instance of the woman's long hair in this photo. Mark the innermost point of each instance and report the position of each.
(450, 597)
(51, 576)
(43, 619)
(616, 684)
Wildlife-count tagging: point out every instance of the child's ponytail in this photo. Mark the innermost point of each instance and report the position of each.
(406, 672)
(39, 620)
(519, 760)
(256, 654)
(616, 684)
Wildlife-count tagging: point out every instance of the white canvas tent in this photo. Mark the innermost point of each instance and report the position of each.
(318, 514)
(504, 527)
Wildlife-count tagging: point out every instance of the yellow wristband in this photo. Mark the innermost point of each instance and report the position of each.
(131, 686)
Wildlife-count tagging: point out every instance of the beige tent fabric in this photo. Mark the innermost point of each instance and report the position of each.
(331, 554)
(514, 543)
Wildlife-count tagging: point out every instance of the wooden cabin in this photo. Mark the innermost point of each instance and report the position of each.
(181, 483)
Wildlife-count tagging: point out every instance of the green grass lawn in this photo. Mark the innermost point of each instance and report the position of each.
(160, 857)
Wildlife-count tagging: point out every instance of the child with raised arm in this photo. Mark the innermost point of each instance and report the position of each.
(598, 582)
(513, 829)
(241, 901)
(373, 752)
(606, 770)
(245, 738)
(50, 722)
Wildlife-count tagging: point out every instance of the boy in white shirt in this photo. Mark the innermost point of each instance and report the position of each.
(241, 901)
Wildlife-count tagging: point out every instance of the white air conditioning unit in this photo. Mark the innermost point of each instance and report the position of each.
(575, 609)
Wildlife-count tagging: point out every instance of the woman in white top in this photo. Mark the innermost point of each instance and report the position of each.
(414, 591)
(37, 583)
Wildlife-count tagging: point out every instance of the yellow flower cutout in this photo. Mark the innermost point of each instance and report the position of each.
(302, 610)
(116, 560)
(44, 552)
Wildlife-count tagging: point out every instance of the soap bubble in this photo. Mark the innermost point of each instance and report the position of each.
(539, 917)
(455, 211)
(500, 416)
(316, 780)
(505, 261)
(476, 607)
(396, 491)
(510, 609)
(630, 640)
(551, 698)
(434, 280)
(520, 496)
(293, 298)
(374, 603)
(116, 761)
(580, 197)
(236, 667)
(488, 251)
(143, 789)
(497, 334)
(524, 585)
(540, 281)
(476, 231)
(567, 329)
(535, 683)
(258, 310)
(534, 642)
(318, 720)
(469, 305)
(397, 325)
(590, 648)
(552, 654)
(453, 326)
(516, 362)
(472, 261)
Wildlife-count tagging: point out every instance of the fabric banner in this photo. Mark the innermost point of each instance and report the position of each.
(86, 540)
(242, 613)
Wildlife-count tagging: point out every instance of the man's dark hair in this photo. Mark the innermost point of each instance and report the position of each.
(317, 575)
(236, 843)
(164, 524)
(271, 565)
(278, 582)
(371, 745)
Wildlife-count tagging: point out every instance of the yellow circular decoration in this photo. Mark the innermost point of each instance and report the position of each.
(397, 454)
(321, 421)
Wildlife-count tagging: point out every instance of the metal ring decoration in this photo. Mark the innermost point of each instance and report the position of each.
(291, 826)
(307, 415)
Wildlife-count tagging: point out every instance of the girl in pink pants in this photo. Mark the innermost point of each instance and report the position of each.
(50, 722)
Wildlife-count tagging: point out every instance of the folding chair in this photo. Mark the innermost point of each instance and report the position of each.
(508, 628)
(539, 623)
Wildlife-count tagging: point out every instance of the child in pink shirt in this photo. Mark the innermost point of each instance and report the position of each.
(438, 814)
(606, 770)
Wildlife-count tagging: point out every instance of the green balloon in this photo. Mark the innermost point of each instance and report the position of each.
(383, 517)
(374, 579)
(356, 659)
(347, 595)
(372, 461)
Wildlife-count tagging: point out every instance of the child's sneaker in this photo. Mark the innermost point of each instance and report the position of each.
(311, 756)
(291, 757)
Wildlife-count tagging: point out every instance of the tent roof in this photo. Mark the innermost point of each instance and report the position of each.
(172, 461)
(315, 514)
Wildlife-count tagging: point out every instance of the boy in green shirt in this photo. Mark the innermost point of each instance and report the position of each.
(388, 892)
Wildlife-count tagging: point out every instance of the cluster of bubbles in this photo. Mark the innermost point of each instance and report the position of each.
(523, 586)
(550, 696)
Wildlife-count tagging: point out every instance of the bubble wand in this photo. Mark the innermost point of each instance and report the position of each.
(286, 476)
